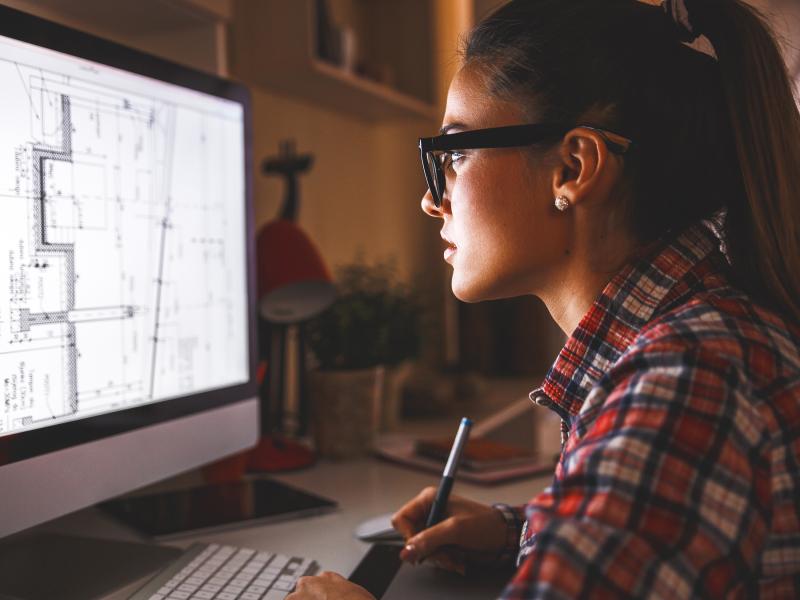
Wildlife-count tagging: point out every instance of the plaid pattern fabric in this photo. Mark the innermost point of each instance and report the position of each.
(680, 473)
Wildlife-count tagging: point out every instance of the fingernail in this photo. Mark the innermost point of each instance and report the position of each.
(409, 553)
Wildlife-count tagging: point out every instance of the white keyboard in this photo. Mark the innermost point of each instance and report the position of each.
(214, 572)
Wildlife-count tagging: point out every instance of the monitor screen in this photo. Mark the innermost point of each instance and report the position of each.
(122, 239)
(126, 266)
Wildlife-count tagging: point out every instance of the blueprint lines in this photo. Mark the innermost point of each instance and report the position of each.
(122, 254)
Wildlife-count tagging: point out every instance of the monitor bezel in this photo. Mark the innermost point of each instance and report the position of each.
(34, 30)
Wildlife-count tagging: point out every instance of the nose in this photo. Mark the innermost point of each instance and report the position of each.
(428, 207)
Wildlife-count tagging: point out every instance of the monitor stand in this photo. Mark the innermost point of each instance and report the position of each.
(47, 566)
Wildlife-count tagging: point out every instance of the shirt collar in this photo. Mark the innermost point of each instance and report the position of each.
(633, 297)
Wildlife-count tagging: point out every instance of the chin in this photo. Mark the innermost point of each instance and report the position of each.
(468, 291)
(489, 286)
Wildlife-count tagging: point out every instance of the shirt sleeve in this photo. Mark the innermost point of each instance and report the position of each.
(662, 490)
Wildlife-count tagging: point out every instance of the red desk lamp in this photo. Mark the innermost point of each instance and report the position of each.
(294, 285)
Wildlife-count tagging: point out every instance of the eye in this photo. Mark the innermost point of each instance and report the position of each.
(451, 159)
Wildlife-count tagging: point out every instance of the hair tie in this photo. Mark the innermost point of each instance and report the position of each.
(680, 13)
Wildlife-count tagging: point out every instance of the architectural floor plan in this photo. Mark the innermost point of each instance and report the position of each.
(122, 277)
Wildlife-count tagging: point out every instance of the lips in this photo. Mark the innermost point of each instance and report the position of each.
(450, 248)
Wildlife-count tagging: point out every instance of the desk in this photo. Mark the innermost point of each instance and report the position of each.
(364, 488)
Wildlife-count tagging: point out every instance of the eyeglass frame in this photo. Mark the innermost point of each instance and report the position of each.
(510, 136)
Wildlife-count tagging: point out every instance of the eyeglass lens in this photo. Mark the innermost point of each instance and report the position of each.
(437, 178)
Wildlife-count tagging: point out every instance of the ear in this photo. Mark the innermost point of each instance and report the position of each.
(585, 168)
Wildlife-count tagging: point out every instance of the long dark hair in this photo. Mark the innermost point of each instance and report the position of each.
(711, 133)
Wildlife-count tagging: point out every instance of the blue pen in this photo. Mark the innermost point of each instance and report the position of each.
(443, 493)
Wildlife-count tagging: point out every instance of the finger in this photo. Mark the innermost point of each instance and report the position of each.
(411, 517)
(302, 589)
(310, 586)
(428, 541)
(449, 561)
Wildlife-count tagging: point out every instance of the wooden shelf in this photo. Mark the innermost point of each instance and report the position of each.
(274, 48)
(132, 18)
(191, 32)
(375, 100)
(273, 45)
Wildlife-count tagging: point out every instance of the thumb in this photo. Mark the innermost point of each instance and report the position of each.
(429, 541)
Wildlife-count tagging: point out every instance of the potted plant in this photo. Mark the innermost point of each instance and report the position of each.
(372, 326)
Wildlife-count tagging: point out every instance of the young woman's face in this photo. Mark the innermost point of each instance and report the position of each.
(504, 237)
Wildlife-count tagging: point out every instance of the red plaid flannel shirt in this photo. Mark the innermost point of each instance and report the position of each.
(680, 470)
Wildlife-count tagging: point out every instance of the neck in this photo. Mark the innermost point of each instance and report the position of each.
(580, 280)
(570, 301)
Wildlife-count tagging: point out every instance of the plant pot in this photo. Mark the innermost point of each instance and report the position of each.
(344, 410)
(390, 406)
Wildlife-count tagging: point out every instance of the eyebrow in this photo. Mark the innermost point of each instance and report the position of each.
(450, 126)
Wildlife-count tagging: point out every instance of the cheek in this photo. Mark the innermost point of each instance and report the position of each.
(497, 207)
(509, 236)
(494, 220)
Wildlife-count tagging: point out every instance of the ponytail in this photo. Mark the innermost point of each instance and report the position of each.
(763, 226)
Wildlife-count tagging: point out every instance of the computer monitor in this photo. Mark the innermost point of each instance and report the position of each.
(127, 335)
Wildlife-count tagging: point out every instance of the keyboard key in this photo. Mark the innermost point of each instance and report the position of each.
(302, 568)
(279, 561)
(283, 585)
(264, 554)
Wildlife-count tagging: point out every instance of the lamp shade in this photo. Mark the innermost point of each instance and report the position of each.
(293, 282)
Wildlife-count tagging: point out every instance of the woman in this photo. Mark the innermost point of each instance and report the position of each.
(648, 193)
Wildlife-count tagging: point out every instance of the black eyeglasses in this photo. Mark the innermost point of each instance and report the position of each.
(436, 152)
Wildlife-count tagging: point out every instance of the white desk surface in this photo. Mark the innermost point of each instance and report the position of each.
(363, 488)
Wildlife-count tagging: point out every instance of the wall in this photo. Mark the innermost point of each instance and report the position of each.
(362, 195)
(363, 192)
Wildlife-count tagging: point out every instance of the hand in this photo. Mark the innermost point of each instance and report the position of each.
(328, 586)
(470, 531)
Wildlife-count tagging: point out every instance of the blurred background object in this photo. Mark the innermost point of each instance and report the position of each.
(294, 285)
(361, 345)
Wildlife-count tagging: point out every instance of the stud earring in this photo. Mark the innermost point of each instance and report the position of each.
(562, 203)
